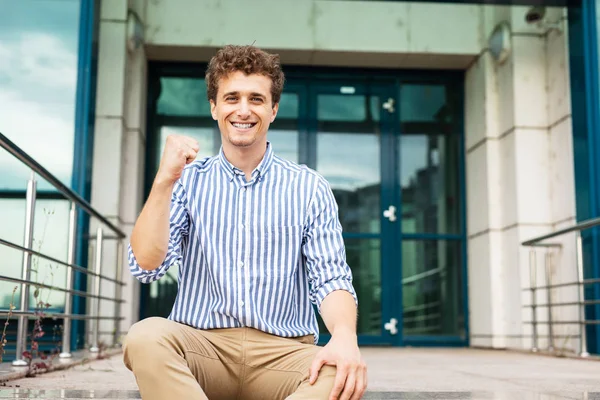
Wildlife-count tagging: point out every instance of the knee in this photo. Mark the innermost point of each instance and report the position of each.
(143, 332)
(142, 339)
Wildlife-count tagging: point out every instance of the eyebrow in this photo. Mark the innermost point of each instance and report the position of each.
(253, 94)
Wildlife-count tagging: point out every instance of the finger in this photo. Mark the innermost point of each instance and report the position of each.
(188, 152)
(360, 386)
(340, 380)
(350, 385)
(190, 156)
(192, 143)
(315, 368)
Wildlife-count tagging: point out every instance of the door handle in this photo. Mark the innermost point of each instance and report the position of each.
(391, 326)
(389, 105)
(390, 213)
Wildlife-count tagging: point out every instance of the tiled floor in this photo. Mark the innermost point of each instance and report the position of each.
(404, 374)
(133, 394)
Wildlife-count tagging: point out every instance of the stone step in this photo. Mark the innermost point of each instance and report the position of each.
(134, 394)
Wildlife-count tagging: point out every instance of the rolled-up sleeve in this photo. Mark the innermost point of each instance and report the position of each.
(323, 247)
(179, 223)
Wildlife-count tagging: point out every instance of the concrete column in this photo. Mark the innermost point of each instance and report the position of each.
(519, 173)
(484, 186)
(119, 141)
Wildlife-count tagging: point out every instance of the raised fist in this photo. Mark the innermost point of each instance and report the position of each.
(179, 151)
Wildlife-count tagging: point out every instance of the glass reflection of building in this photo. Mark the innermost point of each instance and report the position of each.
(367, 281)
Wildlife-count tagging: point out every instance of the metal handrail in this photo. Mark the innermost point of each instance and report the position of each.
(36, 167)
(66, 264)
(580, 283)
(590, 223)
(61, 315)
(565, 304)
(75, 201)
(51, 287)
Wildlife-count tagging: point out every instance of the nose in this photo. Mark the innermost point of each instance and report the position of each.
(244, 109)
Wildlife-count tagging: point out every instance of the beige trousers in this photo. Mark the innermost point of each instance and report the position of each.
(175, 361)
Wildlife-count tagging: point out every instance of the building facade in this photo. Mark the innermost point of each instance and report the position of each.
(450, 134)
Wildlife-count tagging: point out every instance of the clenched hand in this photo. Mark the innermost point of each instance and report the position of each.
(179, 151)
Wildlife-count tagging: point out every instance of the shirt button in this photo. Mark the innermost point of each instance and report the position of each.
(241, 264)
(242, 303)
(241, 226)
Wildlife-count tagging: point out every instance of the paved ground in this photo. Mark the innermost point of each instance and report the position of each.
(393, 374)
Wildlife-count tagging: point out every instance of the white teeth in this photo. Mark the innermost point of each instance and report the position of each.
(242, 126)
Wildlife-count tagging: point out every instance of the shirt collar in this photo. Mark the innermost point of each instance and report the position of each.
(260, 170)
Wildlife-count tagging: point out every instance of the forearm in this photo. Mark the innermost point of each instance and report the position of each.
(339, 313)
(150, 236)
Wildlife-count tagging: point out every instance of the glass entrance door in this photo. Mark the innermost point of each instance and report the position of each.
(350, 135)
(428, 182)
(392, 155)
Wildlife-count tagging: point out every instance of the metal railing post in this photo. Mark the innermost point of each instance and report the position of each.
(118, 291)
(27, 242)
(66, 337)
(581, 297)
(549, 300)
(533, 284)
(96, 313)
(23, 313)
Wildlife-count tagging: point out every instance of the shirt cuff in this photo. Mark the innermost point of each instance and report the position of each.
(332, 286)
(142, 275)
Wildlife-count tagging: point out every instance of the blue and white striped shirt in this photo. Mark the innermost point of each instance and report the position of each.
(256, 253)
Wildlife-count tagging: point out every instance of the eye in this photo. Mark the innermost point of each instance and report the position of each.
(257, 99)
(230, 98)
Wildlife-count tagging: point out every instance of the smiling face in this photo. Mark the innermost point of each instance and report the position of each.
(244, 109)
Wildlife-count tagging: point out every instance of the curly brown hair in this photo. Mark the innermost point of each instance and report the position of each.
(249, 60)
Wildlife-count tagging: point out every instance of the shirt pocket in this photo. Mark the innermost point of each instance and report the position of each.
(280, 251)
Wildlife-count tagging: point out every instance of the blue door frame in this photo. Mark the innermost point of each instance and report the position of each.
(390, 297)
(585, 105)
(87, 66)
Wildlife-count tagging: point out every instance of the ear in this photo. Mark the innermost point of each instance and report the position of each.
(213, 109)
(275, 109)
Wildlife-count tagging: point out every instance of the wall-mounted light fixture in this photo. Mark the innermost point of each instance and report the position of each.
(499, 42)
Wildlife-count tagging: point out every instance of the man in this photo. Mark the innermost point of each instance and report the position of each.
(257, 239)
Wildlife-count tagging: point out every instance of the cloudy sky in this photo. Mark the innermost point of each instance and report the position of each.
(38, 74)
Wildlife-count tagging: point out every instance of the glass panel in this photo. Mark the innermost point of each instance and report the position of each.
(432, 288)
(422, 103)
(336, 107)
(183, 97)
(38, 79)
(364, 258)
(429, 173)
(283, 132)
(50, 235)
(288, 106)
(348, 156)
